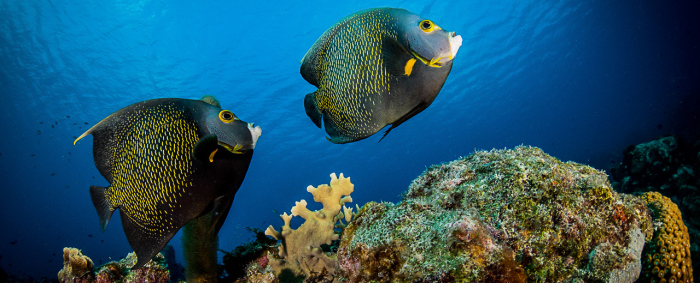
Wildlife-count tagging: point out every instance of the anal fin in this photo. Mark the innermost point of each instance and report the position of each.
(404, 118)
(146, 244)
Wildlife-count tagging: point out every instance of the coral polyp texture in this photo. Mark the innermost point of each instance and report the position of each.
(76, 267)
(670, 166)
(500, 216)
(300, 254)
(667, 256)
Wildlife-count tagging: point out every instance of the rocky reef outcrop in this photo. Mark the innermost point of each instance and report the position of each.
(500, 216)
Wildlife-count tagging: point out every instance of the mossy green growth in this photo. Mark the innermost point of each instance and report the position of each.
(500, 215)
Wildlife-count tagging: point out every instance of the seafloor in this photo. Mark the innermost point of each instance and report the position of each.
(511, 215)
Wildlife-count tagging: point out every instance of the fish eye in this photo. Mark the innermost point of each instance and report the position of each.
(426, 26)
(227, 116)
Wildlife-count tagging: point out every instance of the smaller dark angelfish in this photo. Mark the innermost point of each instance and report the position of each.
(375, 68)
(168, 161)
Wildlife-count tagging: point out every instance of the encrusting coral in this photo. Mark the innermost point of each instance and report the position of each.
(667, 257)
(671, 166)
(76, 267)
(300, 252)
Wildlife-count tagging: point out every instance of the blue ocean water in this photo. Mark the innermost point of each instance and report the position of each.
(579, 79)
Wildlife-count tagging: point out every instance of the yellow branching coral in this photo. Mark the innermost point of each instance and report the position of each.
(76, 266)
(667, 257)
(300, 250)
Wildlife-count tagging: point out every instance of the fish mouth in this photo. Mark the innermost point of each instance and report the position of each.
(455, 44)
(255, 133)
(236, 149)
(437, 62)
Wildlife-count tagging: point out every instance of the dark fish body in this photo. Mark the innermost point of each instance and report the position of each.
(374, 68)
(168, 161)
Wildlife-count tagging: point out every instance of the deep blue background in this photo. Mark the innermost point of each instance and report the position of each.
(580, 79)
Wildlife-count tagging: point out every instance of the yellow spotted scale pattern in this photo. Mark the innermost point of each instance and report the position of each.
(666, 257)
(152, 166)
(359, 78)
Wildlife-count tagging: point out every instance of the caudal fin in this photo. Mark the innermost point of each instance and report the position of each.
(312, 109)
(104, 209)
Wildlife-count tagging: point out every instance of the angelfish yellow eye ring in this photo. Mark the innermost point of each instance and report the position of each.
(426, 26)
(227, 116)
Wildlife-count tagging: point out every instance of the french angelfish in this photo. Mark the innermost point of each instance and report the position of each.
(374, 68)
(168, 161)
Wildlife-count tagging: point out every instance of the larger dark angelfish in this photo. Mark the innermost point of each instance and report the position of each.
(168, 161)
(374, 68)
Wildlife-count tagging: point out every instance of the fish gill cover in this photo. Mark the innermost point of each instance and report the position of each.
(581, 80)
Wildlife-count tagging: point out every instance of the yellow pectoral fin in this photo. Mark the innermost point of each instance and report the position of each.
(409, 66)
(211, 156)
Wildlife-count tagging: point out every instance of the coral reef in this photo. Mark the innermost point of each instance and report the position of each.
(667, 256)
(154, 271)
(500, 216)
(76, 267)
(667, 165)
(495, 216)
(300, 254)
(671, 166)
(253, 253)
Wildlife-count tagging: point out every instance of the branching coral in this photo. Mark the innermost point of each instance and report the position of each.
(667, 257)
(300, 252)
(76, 267)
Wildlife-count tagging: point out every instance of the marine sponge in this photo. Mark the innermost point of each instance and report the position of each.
(76, 267)
(300, 252)
(667, 257)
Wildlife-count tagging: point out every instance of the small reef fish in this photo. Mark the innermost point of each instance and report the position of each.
(168, 161)
(374, 68)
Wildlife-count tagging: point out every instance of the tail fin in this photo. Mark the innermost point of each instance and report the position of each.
(104, 209)
(312, 109)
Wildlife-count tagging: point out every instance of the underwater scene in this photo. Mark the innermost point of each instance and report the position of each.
(349, 141)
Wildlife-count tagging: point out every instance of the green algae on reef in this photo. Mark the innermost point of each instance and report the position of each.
(500, 215)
